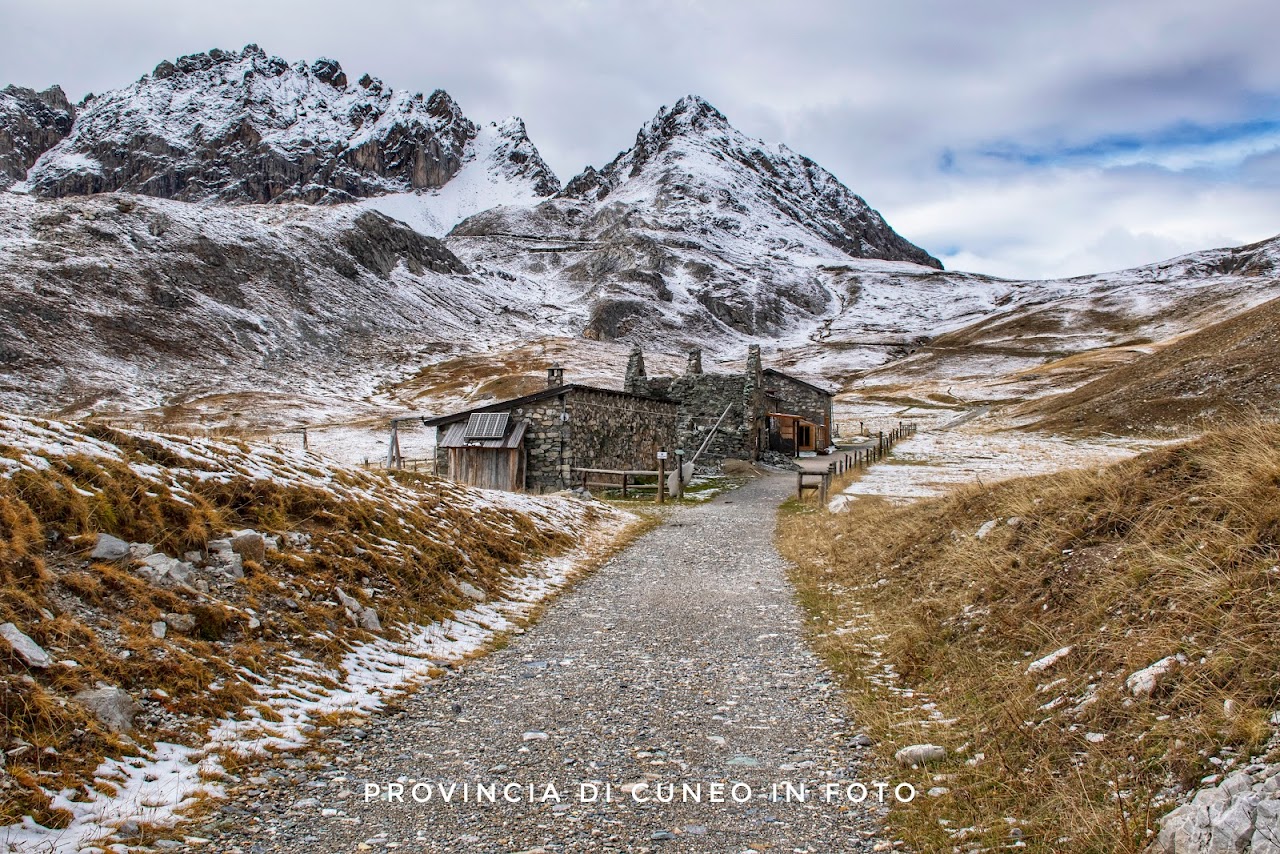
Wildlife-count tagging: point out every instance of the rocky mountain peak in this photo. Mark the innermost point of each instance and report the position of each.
(31, 122)
(246, 126)
(515, 156)
(691, 164)
(692, 114)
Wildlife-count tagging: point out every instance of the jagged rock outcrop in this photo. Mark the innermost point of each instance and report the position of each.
(30, 124)
(247, 127)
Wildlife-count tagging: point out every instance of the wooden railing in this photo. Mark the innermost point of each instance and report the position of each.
(851, 460)
(625, 479)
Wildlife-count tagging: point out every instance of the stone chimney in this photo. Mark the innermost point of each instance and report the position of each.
(637, 381)
(695, 361)
(555, 376)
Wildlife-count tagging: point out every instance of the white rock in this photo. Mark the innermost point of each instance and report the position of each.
(920, 754)
(31, 653)
(534, 735)
(987, 528)
(369, 620)
(113, 706)
(1145, 681)
(185, 623)
(110, 548)
(159, 628)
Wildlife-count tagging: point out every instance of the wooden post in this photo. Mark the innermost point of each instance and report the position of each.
(799, 485)
(662, 475)
(680, 475)
(584, 482)
(624, 484)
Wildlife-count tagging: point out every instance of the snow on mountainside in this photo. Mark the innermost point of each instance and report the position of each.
(127, 301)
(690, 155)
(248, 127)
(1049, 336)
(501, 167)
(696, 236)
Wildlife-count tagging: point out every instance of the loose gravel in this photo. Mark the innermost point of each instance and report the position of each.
(678, 667)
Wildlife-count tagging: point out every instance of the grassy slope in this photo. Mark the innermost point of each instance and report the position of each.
(1218, 372)
(1172, 553)
(406, 538)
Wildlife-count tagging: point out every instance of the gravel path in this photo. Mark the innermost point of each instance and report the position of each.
(679, 662)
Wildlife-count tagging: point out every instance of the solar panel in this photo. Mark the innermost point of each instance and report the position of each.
(487, 425)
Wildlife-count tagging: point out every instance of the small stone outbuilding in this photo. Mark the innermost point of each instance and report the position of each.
(536, 443)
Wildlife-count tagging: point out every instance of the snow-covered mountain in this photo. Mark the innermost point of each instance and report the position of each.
(696, 232)
(247, 127)
(501, 166)
(125, 301)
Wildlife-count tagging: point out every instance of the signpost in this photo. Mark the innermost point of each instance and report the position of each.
(662, 476)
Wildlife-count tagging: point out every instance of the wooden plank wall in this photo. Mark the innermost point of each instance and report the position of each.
(488, 468)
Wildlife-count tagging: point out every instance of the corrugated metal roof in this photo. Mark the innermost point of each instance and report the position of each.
(456, 437)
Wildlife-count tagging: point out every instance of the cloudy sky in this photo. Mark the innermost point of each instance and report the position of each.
(1020, 139)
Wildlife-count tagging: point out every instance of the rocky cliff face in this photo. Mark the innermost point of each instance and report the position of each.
(30, 123)
(247, 127)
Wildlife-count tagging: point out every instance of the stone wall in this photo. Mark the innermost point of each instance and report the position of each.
(585, 428)
(618, 431)
(701, 400)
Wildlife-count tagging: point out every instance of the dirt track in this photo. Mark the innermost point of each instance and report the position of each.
(680, 662)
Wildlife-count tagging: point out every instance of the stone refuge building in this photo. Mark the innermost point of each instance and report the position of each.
(767, 409)
(540, 441)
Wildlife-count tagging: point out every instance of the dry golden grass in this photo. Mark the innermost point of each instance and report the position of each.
(100, 613)
(1165, 392)
(1173, 553)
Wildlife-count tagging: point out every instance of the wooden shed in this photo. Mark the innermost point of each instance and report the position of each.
(795, 434)
(487, 450)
